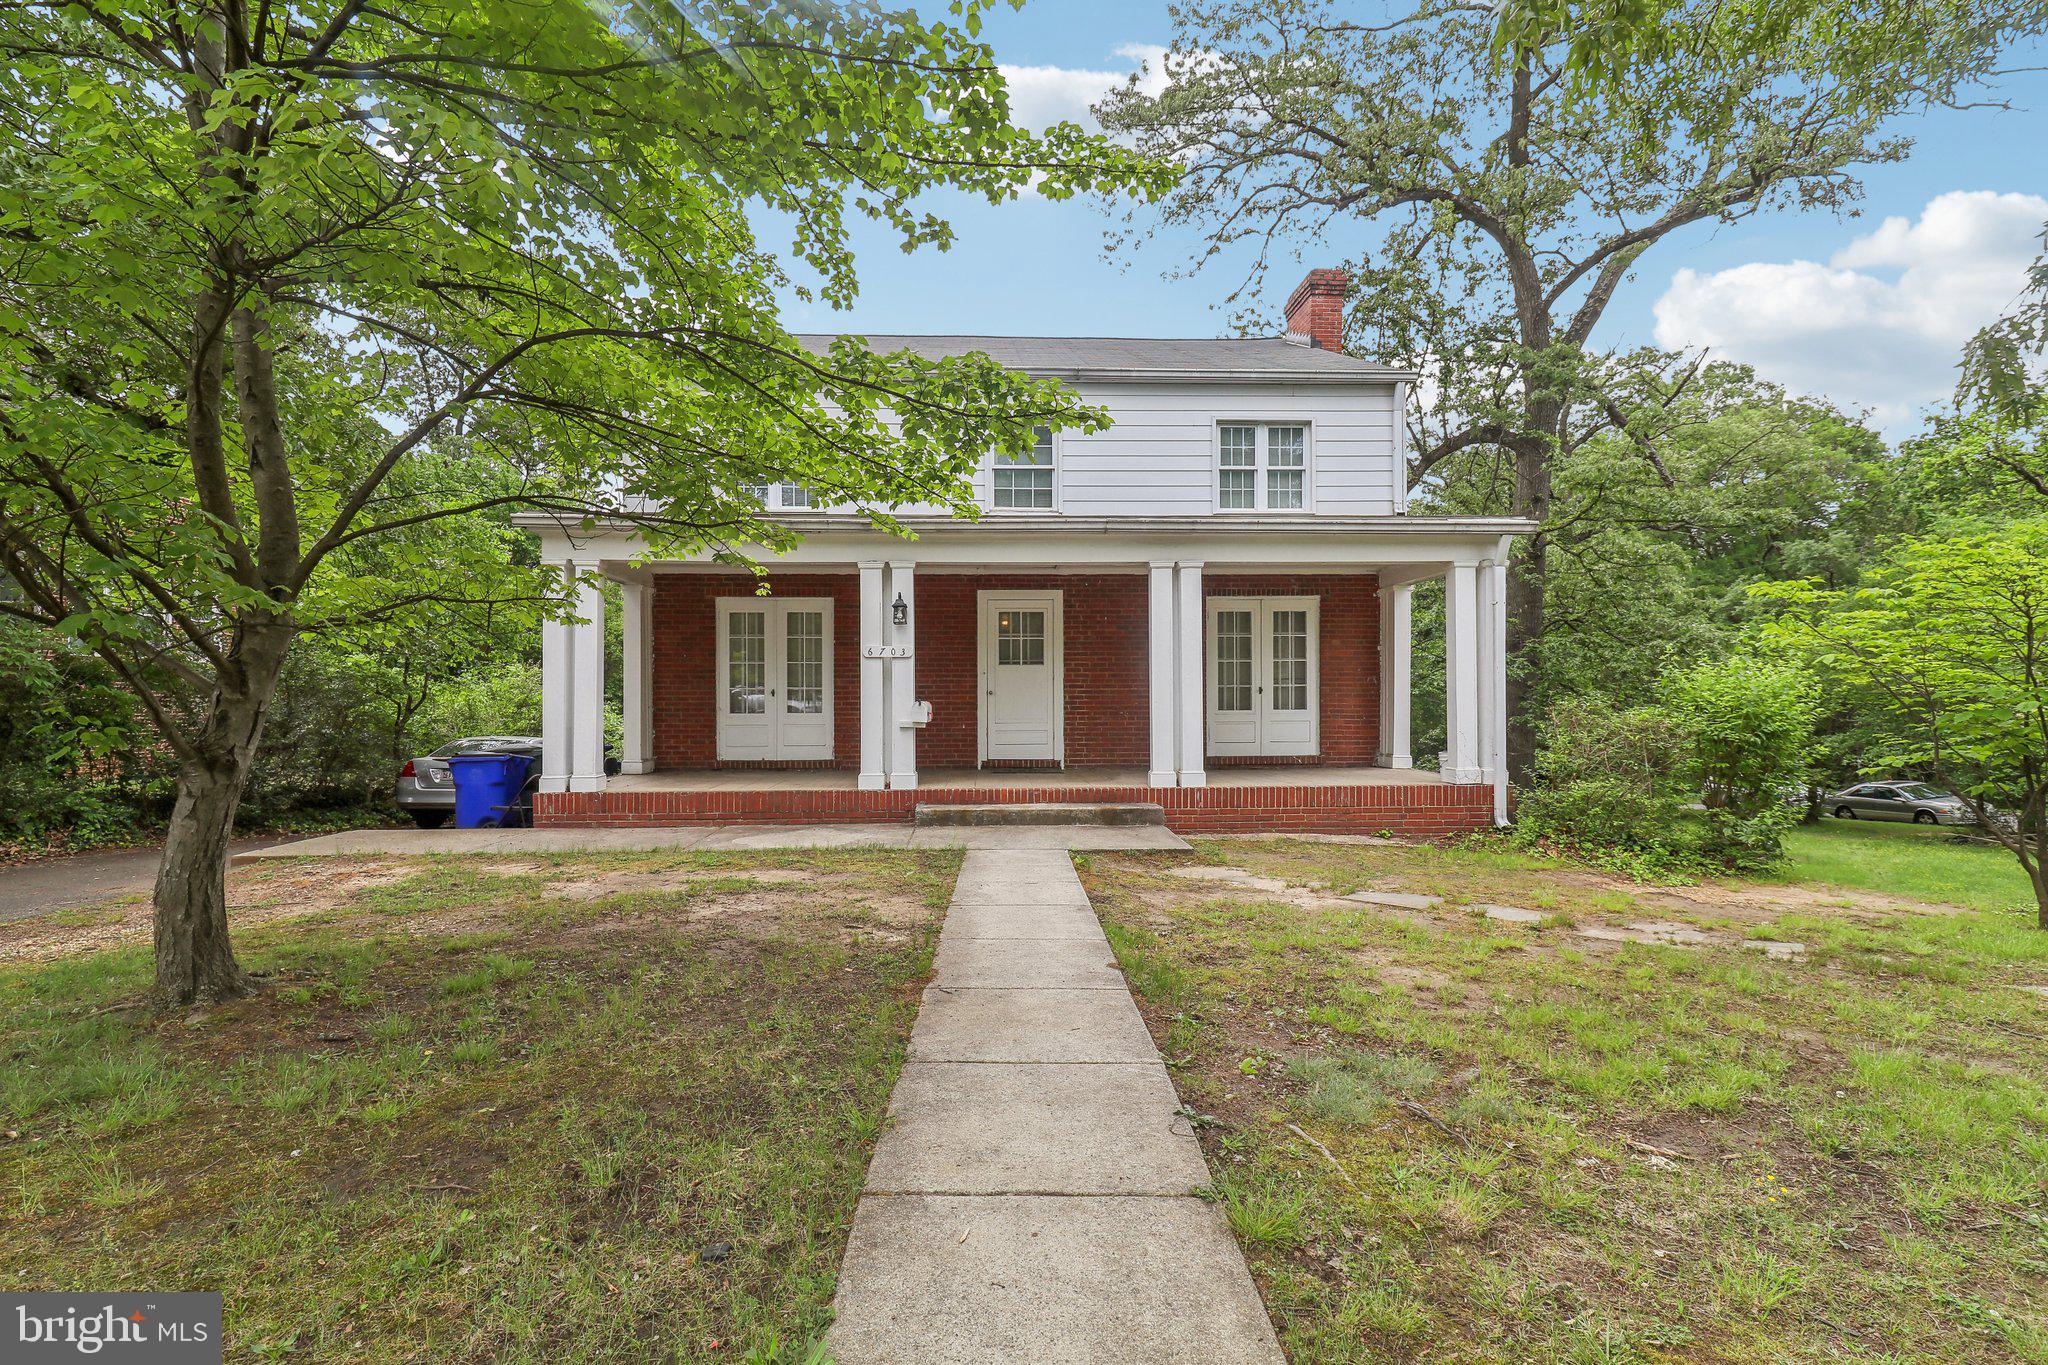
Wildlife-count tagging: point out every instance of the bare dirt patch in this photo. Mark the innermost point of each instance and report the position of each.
(255, 897)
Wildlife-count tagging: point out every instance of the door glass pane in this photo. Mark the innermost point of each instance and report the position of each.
(1290, 660)
(746, 664)
(1020, 638)
(1234, 660)
(804, 664)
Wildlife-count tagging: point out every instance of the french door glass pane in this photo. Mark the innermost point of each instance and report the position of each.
(746, 664)
(804, 663)
(1234, 660)
(1290, 660)
(1020, 638)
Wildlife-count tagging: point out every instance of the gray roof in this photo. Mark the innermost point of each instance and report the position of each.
(1138, 357)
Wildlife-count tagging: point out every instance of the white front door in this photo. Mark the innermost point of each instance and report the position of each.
(1263, 676)
(1022, 664)
(774, 678)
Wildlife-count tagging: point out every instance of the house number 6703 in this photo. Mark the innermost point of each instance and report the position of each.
(886, 652)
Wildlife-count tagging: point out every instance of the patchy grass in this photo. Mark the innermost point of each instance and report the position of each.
(1443, 1137)
(473, 1117)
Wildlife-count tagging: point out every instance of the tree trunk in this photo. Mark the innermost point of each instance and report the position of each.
(195, 963)
(1526, 600)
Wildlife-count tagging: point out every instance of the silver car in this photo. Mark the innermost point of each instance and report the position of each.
(1915, 801)
(426, 788)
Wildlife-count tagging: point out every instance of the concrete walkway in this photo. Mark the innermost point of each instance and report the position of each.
(1032, 1199)
(360, 842)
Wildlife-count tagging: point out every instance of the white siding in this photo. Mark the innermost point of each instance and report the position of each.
(1159, 457)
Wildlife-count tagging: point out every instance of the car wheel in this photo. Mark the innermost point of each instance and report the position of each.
(430, 819)
(1923, 817)
(1844, 813)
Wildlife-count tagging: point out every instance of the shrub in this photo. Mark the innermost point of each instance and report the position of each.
(1748, 725)
(1609, 778)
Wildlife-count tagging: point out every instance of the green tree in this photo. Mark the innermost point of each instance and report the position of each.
(1952, 635)
(1493, 209)
(271, 269)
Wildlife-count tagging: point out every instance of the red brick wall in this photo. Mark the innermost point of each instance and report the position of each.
(1316, 307)
(1413, 810)
(1108, 673)
(686, 688)
(1350, 656)
(1107, 661)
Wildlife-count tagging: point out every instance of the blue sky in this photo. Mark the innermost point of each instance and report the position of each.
(1858, 309)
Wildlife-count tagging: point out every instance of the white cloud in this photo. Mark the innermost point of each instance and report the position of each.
(1044, 95)
(1882, 323)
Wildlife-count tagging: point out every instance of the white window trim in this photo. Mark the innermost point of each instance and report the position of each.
(1059, 462)
(1261, 468)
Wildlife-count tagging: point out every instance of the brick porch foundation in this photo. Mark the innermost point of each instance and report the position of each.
(1419, 811)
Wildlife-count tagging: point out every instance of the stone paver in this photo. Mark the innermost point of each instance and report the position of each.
(1512, 914)
(1032, 1200)
(1396, 900)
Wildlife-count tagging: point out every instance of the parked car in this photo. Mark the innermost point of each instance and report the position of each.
(1915, 801)
(426, 787)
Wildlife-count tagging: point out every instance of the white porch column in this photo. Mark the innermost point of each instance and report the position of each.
(557, 697)
(1188, 667)
(1160, 643)
(902, 585)
(1397, 615)
(874, 679)
(586, 716)
(1461, 675)
(636, 664)
(1495, 662)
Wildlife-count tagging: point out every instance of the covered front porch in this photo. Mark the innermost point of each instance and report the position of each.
(1264, 685)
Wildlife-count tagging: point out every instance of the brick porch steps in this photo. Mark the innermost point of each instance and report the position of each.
(1041, 813)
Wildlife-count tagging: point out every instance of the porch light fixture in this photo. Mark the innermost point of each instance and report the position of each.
(901, 610)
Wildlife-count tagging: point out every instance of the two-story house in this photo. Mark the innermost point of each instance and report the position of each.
(1206, 607)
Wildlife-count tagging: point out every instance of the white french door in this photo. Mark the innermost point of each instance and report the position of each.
(774, 678)
(1023, 664)
(1263, 676)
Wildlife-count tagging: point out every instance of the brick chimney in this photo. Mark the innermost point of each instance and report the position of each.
(1315, 310)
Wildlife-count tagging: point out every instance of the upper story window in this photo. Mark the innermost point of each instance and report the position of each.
(783, 497)
(1262, 468)
(1024, 482)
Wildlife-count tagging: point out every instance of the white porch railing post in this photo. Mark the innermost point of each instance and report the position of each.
(586, 713)
(902, 586)
(1160, 644)
(1191, 691)
(636, 667)
(874, 679)
(1397, 649)
(1462, 722)
(557, 697)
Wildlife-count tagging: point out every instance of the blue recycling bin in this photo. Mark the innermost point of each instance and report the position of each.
(487, 788)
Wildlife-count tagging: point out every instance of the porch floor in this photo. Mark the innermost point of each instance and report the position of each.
(1035, 779)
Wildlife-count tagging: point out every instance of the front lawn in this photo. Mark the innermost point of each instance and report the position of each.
(1926, 863)
(1622, 1130)
(558, 1109)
